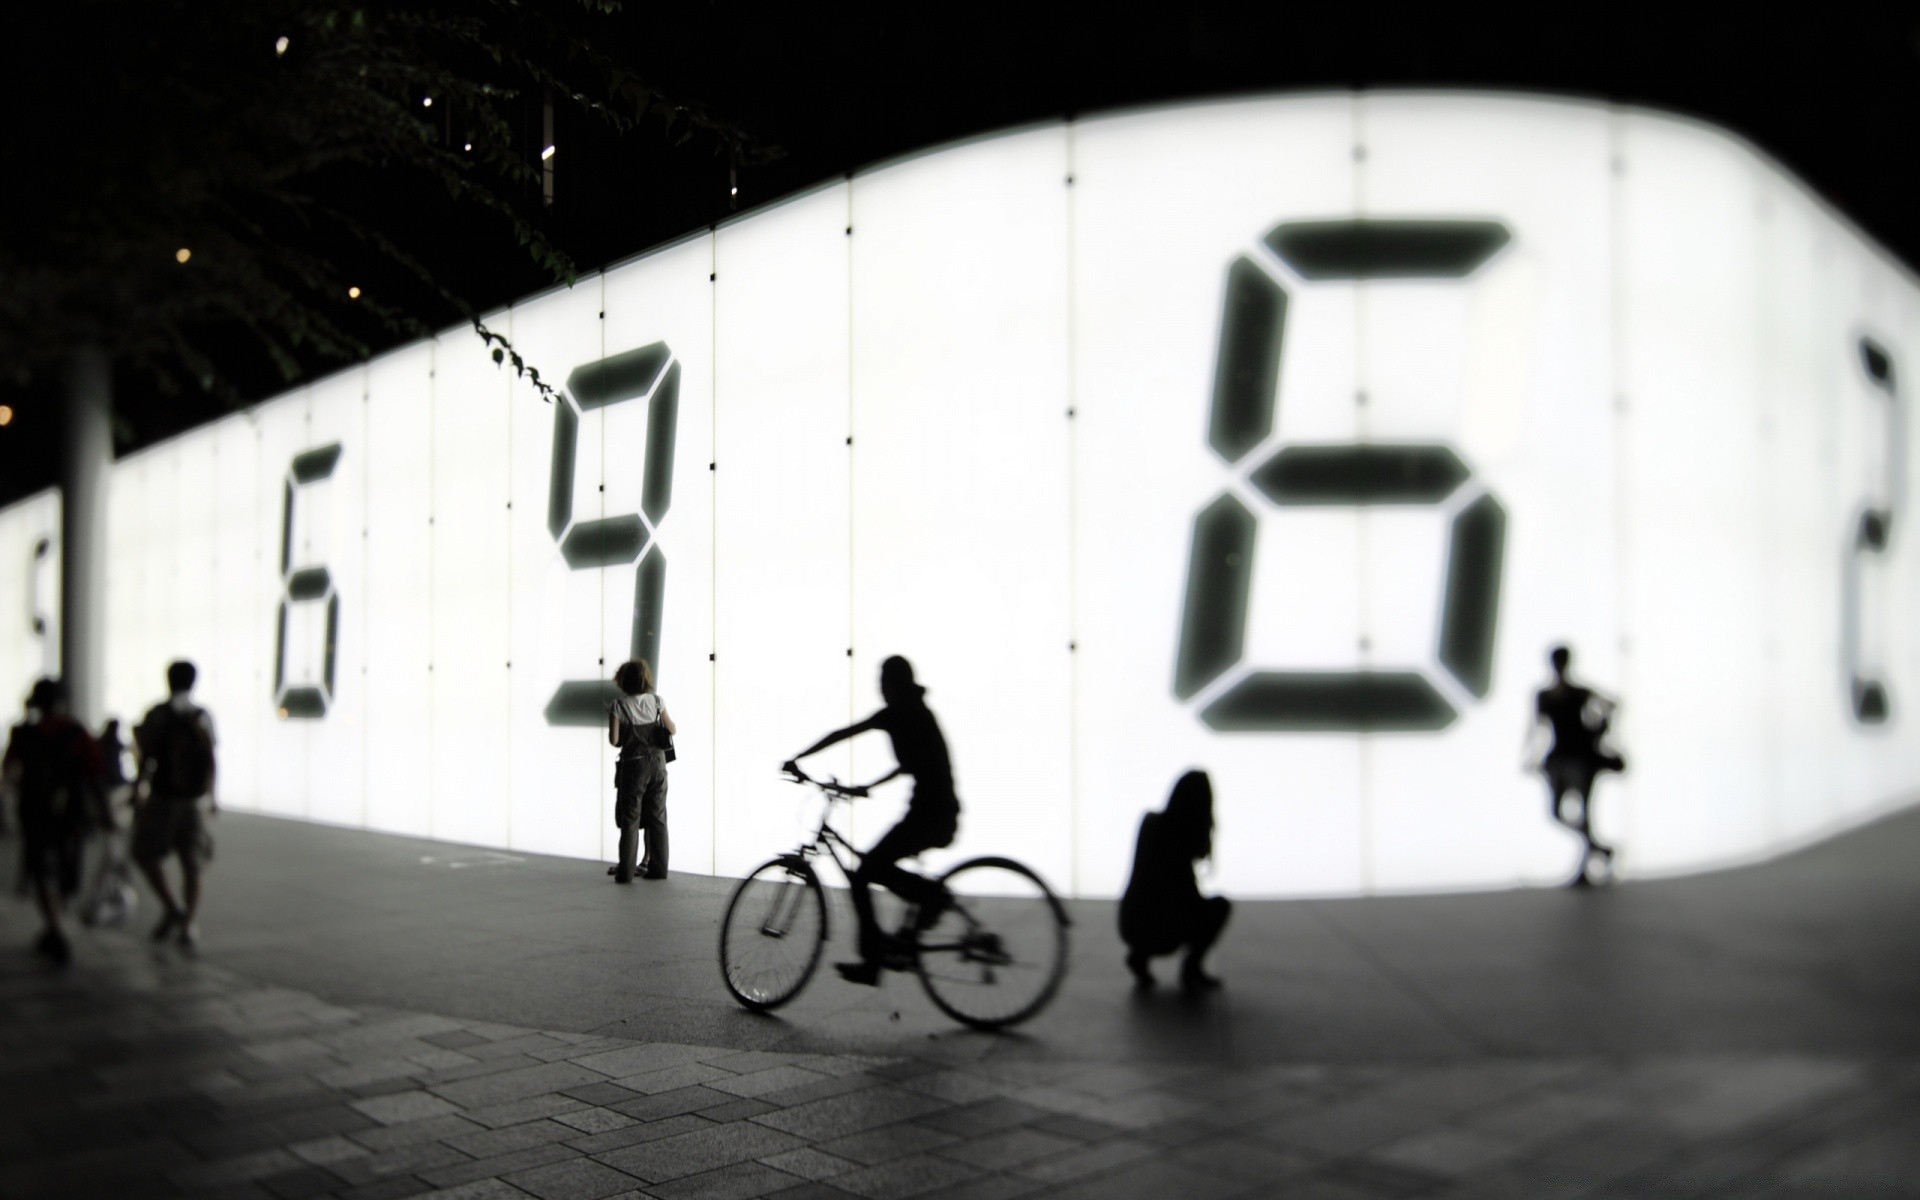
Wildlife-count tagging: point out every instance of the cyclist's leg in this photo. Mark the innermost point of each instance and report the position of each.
(881, 865)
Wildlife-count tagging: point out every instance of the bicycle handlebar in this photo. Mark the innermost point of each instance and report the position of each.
(829, 785)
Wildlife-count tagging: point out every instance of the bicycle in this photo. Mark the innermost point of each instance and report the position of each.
(991, 958)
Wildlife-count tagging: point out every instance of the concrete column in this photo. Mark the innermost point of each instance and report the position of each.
(86, 452)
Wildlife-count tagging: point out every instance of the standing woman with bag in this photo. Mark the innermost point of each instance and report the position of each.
(637, 722)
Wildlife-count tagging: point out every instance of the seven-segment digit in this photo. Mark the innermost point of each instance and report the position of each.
(304, 585)
(647, 373)
(1245, 401)
(1870, 532)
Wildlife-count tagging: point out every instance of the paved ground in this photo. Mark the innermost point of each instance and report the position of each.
(381, 1017)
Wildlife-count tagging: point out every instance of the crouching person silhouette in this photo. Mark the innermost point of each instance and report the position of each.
(1163, 911)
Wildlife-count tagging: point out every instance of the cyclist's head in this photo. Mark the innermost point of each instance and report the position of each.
(634, 677)
(47, 697)
(1190, 813)
(896, 681)
(180, 677)
(1560, 656)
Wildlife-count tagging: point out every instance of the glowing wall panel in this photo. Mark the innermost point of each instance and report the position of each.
(29, 597)
(960, 547)
(782, 625)
(1279, 438)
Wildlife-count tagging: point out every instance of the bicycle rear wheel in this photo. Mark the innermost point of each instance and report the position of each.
(996, 956)
(773, 933)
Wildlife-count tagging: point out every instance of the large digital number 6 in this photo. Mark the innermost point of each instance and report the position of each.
(648, 373)
(304, 585)
(1871, 532)
(1245, 399)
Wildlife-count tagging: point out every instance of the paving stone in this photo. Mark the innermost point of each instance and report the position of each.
(640, 1058)
(514, 1085)
(1009, 1148)
(650, 1131)
(392, 1137)
(300, 1184)
(888, 1142)
(699, 1151)
(600, 1093)
(488, 1142)
(499, 1165)
(513, 1112)
(837, 1116)
(739, 1110)
(902, 1177)
(321, 1151)
(577, 1179)
(454, 1039)
(833, 1085)
(482, 1189)
(1154, 1180)
(668, 1079)
(738, 1181)
(810, 1191)
(1245, 1158)
(595, 1120)
(386, 1189)
(669, 1104)
(242, 1168)
(1087, 1160)
(403, 1160)
(809, 1163)
(1448, 1152)
(984, 1117)
(987, 1187)
(772, 1079)
(401, 1107)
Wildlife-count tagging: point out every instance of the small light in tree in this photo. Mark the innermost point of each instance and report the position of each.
(279, 46)
(469, 145)
(547, 154)
(6, 415)
(426, 102)
(182, 254)
(353, 293)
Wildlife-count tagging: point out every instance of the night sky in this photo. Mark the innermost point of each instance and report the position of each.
(1834, 96)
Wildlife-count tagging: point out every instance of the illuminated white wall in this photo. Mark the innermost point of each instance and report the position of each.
(29, 597)
(963, 408)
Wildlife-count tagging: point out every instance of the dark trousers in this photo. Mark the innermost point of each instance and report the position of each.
(915, 832)
(640, 807)
(1194, 928)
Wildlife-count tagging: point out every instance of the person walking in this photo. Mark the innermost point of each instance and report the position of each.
(1577, 717)
(53, 765)
(639, 724)
(173, 801)
(1162, 910)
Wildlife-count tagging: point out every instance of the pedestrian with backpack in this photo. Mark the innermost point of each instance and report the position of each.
(174, 800)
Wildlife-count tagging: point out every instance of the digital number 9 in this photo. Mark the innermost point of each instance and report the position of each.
(650, 374)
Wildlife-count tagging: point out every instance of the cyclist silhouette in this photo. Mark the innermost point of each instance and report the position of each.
(1578, 717)
(933, 814)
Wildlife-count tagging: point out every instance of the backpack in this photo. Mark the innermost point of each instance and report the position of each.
(182, 753)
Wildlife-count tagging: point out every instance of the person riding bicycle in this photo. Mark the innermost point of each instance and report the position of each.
(933, 814)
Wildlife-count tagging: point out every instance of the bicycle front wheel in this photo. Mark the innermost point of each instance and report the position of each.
(773, 933)
(996, 956)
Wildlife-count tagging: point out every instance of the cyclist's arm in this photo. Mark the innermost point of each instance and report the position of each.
(838, 736)
(865, 788)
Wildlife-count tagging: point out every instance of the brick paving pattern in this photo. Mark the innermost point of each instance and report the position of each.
(138, 1072)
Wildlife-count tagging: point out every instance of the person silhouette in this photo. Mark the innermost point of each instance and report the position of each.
(635, 719)
(1577, 718)
(54, 765)
(933, 814)
(173, 801)
(1162, 910)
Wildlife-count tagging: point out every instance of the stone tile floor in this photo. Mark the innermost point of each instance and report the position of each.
(141, 1072)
